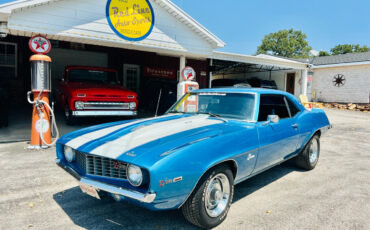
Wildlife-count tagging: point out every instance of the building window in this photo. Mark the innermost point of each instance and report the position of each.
(8, 60)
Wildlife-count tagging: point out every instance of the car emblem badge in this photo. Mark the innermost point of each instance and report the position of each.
(118, 166)
(169, 181)
(250, 156)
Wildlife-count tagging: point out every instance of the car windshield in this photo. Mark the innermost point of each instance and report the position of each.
(228, 105)
(95, 76)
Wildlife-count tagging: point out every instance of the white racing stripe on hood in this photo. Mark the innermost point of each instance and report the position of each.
(83, 139)
(150, 133)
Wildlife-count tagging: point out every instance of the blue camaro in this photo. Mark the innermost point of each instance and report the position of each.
(191, 157)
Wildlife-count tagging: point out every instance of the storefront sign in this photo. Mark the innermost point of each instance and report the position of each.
(188, 73)
(39, 44)
(158, 72)
(132, 20)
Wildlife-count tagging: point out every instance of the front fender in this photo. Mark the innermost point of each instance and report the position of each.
(176, 175)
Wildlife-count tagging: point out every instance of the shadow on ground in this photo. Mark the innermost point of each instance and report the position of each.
(90, 213)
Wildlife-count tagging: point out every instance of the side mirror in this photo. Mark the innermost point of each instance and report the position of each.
(272, 119)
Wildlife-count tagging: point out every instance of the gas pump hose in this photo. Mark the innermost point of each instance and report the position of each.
(38, 103)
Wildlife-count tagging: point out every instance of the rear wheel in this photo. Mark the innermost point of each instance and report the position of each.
(309, 157)
(210, 202)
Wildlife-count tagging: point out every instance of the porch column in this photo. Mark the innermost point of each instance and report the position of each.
(304, 82)
(182, 66)
(210, 74)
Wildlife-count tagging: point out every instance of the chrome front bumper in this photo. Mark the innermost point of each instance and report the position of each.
(103, 113)
(143, 197)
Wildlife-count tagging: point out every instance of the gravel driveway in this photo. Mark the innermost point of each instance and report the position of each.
(36, 194)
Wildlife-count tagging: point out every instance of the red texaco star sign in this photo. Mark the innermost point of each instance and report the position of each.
(39, 44)
(188, 73)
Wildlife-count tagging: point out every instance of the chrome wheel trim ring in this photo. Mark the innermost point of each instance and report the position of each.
(313, 151)
(217, 195)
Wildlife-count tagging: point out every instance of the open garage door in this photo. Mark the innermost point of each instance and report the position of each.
(68, 57)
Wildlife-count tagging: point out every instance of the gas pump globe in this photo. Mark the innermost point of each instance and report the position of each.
(40, 73)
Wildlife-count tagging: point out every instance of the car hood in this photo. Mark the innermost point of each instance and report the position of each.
(153, 137)
(94, 89)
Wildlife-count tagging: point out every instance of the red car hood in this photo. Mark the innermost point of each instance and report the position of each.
(94, 89)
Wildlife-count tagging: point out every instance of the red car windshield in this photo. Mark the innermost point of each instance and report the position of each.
(94, 76)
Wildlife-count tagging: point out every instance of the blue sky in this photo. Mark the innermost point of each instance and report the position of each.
(242, 24)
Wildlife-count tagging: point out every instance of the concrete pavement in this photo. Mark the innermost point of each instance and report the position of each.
(36, 194)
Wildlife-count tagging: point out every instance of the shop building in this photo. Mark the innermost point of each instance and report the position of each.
(341, 78)
(81, 34)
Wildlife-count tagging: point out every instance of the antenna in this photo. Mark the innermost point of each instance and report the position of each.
(159, 99)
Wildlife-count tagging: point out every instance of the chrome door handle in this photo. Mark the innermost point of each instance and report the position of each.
(295, 126)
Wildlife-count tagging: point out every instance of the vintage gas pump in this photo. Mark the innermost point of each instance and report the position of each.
(40, 89)
(188, 84)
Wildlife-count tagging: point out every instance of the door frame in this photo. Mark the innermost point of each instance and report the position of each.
(124, 82)
(287, 80)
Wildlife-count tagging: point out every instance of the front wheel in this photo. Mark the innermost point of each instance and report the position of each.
(209, 204)
(309, 157)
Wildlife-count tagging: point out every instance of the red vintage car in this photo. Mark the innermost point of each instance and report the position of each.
(92, 91)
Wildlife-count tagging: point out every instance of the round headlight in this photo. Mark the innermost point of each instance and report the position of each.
(79, 105)
(132, 105)
(69, 153)
(134, 175)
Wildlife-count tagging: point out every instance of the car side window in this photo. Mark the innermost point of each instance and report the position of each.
(292, 107)
(272, 105)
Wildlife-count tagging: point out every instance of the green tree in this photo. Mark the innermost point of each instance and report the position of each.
(286, 43)
(324, 53)
(348, 48)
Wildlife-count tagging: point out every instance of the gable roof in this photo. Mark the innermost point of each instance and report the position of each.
(338, 59)
(178, 13)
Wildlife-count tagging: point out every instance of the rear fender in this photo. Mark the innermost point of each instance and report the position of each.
(312, 122)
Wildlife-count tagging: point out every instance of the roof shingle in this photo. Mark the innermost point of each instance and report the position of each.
(337, 59)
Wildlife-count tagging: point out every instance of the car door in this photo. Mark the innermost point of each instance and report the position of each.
(276, 140)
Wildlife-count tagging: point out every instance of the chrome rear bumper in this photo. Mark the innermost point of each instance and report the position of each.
(143, 197)
(103, 113)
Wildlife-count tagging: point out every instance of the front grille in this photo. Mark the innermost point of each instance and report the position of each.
(106, 105)
(101, 166)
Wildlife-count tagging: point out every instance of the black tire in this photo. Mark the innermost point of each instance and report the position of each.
(303, 159)
(194, 209)
(70, 120)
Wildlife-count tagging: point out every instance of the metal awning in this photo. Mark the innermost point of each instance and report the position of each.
(240, 62)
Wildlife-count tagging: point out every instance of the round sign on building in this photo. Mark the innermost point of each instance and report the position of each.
(132, 20)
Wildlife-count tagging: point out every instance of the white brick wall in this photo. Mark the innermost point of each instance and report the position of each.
(356, 88)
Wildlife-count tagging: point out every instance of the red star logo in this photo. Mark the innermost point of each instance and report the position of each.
(40, 44)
